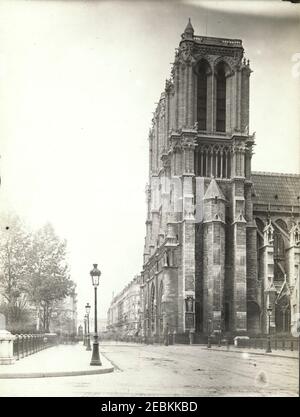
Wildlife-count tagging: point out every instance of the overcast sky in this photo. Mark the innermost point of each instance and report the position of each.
(78, 85)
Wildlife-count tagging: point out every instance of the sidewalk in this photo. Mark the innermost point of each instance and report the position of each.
(62, 360)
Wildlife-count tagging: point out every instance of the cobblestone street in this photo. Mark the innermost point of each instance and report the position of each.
(179, 370)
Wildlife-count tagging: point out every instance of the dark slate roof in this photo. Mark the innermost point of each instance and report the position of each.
(268, 185)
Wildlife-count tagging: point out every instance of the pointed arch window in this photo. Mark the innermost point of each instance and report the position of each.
(279, 247)
(221, 98)
(203, 70)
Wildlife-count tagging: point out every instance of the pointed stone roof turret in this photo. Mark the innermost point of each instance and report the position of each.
(189, 28)
(213, 191)
(188, 31)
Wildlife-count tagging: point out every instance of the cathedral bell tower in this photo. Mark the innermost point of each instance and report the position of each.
(214, 91)
(199, 194)
(211, 79)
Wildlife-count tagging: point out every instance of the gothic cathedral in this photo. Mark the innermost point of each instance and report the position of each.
(222, 246)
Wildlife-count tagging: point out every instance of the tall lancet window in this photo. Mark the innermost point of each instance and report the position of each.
(202, 95)
(221, 98)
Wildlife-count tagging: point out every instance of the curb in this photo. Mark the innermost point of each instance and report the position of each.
(56, 374)
(254, 353)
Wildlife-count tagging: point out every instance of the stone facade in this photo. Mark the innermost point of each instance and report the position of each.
(211, 261)
(276, 203)
(124, 313)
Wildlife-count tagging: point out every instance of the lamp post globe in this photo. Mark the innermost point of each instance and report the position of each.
(87, 309)
(95, 274)
(88, 342)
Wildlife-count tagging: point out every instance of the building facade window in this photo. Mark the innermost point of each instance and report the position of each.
(221, 99)
(202, 95)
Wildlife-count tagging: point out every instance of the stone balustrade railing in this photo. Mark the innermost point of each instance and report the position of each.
(218, 41)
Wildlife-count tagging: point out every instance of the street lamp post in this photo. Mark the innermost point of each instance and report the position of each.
(84, 334)
(208, 333)
(269, 311)
(88, 342)
(95, 274)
